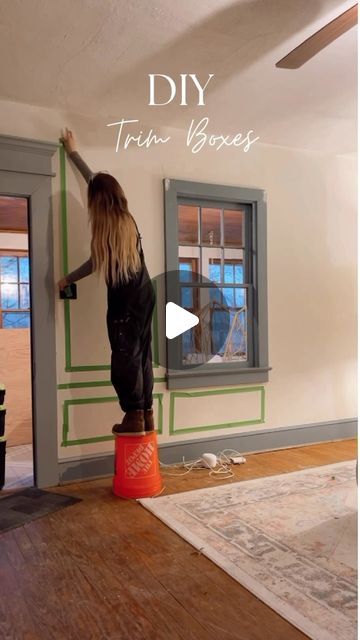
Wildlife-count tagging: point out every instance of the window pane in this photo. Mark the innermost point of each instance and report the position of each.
(214, 339)
(189, 261)
(188, 220)
(229, 296)
(8, 269)
(187, 347)
(234, 266)
(9, 296)
(215, 272)
(24, 296)
(203, 341)
(210, 226)
(235, 347)
(234, 228)
(239, 273)
(187, 298)
(185, 271)
(215, 295)
(240, 297)
(16, 320)
(211, 263)
(219, 330)
(229, 272)
(24, 269)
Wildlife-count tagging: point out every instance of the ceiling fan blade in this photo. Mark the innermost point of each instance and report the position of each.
(319, 40)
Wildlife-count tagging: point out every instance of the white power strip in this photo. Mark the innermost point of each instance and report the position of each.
(237, 459)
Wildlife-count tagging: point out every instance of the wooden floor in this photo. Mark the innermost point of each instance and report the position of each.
(107, 569)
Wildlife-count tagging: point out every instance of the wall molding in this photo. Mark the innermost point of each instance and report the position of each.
(24, 155)
(250, 442)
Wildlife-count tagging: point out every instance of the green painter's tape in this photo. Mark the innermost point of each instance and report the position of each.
(67, 335)
(69, 367)
(262, 404)
(79, 401)
(159, 397)
(85, 385)
(94, 383)
(215, 392)
(91, 440)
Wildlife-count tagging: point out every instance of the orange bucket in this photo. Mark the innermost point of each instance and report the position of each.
(137, 473)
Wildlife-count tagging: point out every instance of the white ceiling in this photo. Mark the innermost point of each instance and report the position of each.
(92, 57)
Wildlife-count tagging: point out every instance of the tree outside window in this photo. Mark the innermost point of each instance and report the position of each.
(14, 290)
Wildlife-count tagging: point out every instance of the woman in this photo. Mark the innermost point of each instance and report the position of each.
(116, 252)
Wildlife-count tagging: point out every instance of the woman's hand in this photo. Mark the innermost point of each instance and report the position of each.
(68, 140)
(62, 283)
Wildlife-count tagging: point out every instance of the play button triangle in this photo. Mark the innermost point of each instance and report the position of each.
(178, 320)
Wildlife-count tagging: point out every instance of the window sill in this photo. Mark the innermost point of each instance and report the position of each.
(201, 377)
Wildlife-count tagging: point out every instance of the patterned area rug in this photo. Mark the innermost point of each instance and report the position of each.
(32, 503)
(289, 539)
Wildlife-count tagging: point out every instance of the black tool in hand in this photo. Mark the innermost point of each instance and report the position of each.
(69, 292)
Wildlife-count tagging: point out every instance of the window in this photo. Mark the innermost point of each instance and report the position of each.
(216, 240)
(14, 290)
(211, 247)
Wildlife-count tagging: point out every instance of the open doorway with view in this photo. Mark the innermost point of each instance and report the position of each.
(15, 343)
(26, 175)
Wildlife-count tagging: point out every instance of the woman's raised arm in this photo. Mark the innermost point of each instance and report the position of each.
(68, 140)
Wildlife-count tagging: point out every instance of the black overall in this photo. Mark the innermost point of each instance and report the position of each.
(130, 309)
(129, 315)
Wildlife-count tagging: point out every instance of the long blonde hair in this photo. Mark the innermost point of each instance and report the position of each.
(114, 242)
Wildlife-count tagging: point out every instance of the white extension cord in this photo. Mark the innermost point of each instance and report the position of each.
(218, 465)
(237, 459)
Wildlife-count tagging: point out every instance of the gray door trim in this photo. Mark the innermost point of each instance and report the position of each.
(25, 170)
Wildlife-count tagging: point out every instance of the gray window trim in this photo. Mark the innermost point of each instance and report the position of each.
(25, 170)
(229, 373)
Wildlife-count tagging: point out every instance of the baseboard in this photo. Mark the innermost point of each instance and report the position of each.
(250, 442)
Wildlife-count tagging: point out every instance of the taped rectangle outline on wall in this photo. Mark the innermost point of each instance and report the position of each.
(226, 425)
(98, 400)
(69, 367)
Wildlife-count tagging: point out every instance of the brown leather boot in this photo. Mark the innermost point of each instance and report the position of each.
(149, 420)
(133, 424)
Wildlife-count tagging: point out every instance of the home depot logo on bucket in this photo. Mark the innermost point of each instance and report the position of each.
(139, 459)
(137, 472)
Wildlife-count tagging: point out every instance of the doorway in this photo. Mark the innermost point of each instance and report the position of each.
(15, 342)
(28, 310)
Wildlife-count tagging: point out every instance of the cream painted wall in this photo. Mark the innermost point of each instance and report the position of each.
(311, 276)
